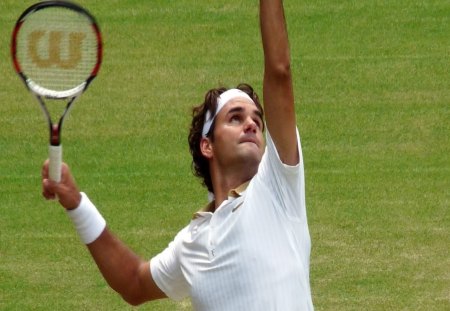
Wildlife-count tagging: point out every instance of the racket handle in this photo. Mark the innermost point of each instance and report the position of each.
(55, 161)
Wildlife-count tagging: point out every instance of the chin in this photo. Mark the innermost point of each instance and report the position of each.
(252, 159)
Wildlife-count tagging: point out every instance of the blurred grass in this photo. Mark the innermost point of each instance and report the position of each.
(372, 85)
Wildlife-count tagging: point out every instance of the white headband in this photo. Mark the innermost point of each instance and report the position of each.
(223, 99)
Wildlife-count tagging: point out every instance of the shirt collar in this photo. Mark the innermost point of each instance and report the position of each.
(233, 193)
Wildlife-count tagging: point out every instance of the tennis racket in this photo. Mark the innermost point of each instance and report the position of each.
(57, 51)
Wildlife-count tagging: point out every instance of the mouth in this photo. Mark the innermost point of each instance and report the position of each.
(249, 140)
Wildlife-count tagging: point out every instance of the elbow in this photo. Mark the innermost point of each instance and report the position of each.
(133, 300)
(280, 70)
(132, 294)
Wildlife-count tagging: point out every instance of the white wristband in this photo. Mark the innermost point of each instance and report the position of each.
(87, 220)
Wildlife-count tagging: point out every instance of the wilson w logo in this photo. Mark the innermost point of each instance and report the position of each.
(53, 57)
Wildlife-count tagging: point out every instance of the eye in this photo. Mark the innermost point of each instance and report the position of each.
(235, 119)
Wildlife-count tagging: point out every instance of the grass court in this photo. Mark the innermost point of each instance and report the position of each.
(372, 90)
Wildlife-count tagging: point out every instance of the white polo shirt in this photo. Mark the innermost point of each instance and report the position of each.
(252, 253)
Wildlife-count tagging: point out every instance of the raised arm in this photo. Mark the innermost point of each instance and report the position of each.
(278, 94)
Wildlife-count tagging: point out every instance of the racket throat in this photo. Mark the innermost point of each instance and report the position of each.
(55, 135)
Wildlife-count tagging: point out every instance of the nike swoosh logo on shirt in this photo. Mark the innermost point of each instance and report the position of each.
(237, 206)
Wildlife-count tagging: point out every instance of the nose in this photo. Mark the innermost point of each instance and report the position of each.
(250, 125)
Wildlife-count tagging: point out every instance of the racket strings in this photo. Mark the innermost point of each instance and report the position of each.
(57, 48)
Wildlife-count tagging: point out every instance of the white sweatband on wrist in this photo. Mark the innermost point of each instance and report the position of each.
(87, 220)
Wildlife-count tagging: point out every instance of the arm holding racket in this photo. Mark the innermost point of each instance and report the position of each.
(124, 271)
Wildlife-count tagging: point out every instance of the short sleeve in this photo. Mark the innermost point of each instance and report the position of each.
(166, 270)
(286, 181)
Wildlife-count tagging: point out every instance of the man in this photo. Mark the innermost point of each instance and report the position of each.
(249, 248)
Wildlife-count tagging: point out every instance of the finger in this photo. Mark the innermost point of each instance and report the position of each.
(47, 190)
(44, 171)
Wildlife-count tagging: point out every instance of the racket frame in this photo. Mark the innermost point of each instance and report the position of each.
(41, 93)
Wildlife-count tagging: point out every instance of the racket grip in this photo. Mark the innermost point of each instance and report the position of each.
(55, 162)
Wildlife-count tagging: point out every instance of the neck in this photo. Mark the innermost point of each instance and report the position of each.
(227, 179)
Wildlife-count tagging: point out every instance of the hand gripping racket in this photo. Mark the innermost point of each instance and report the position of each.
(57, 51)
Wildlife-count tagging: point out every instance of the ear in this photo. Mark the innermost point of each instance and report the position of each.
(206, 147)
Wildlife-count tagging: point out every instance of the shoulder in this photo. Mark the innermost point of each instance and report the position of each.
(272, 156)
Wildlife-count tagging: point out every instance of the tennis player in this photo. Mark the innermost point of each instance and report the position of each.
(249, 248)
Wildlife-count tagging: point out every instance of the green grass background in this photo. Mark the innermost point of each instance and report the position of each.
(372, 87)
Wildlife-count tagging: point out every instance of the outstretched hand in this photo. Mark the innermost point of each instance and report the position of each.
(66, 191)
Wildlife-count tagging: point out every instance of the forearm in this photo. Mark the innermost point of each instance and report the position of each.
(124, 271)
(119, 266)
(274, 38)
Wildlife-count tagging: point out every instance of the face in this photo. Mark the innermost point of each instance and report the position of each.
(238, 135)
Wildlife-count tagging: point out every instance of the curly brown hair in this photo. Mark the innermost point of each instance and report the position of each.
(200, 164)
